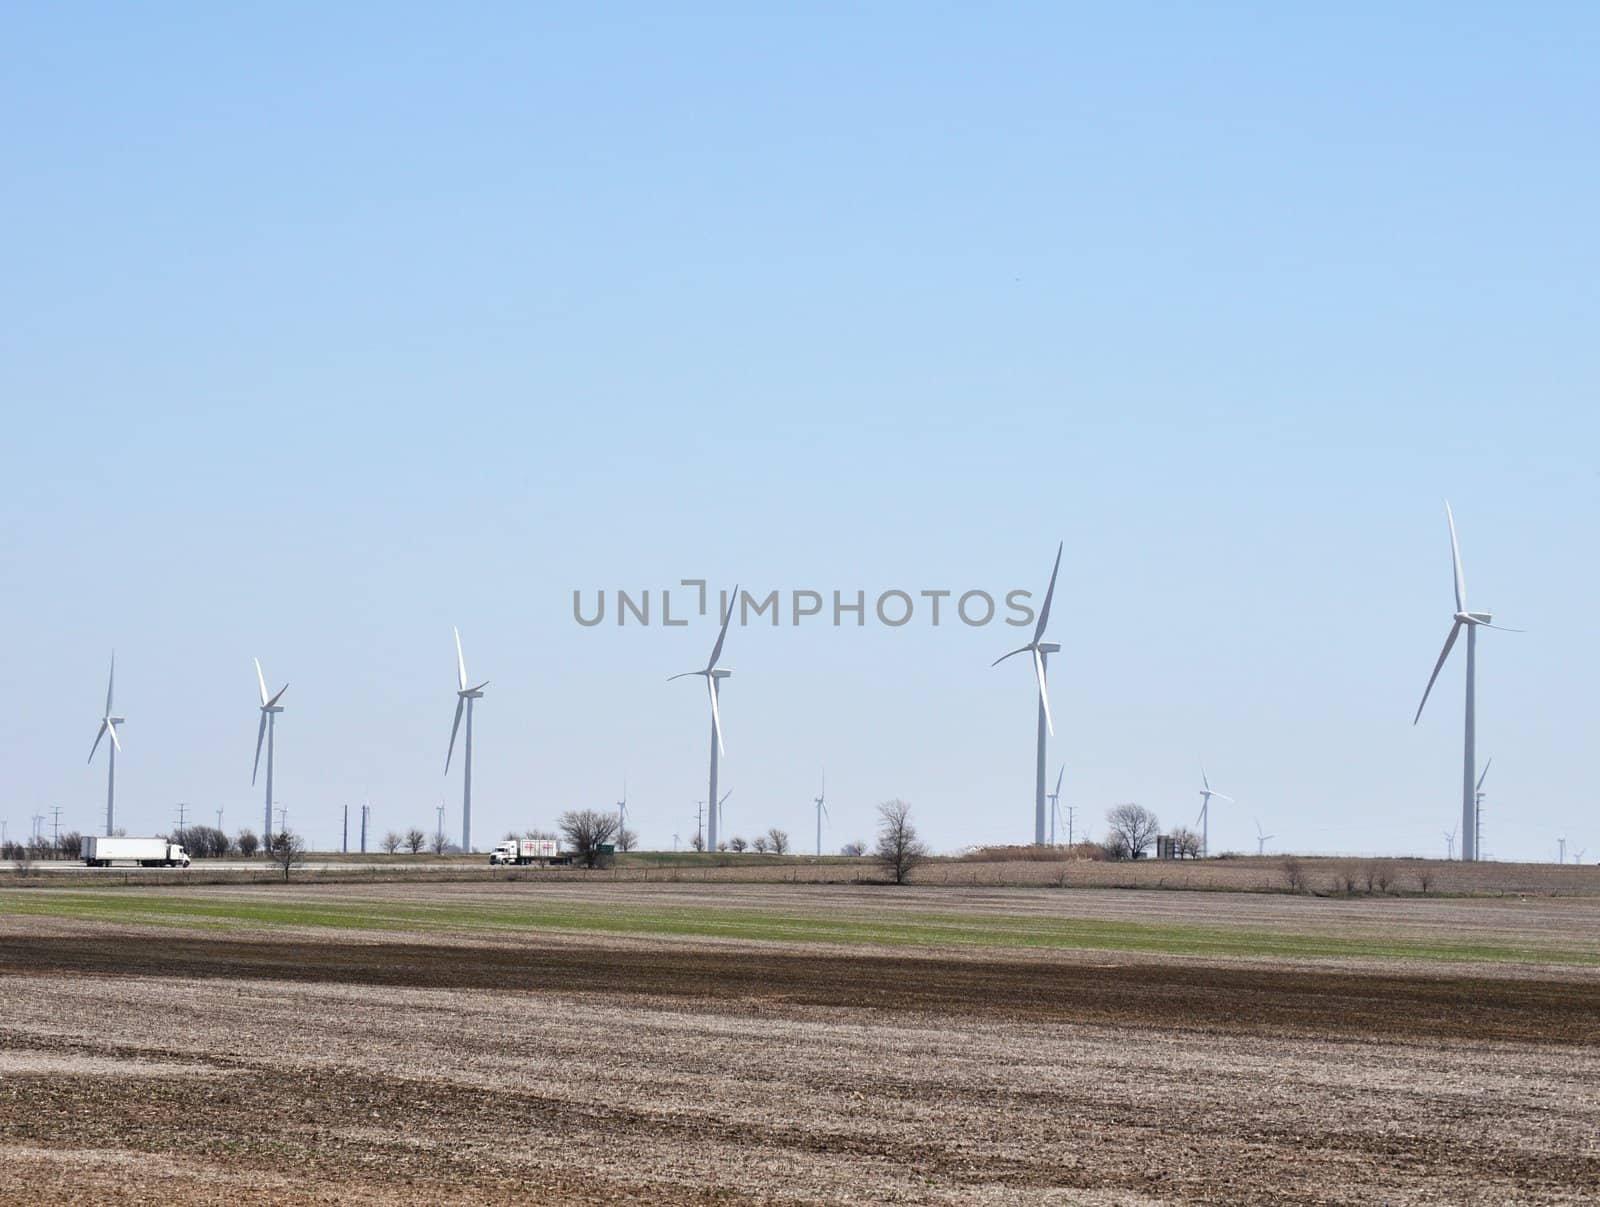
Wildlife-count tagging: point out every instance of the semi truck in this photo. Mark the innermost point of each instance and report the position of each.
(528, 850)
(146, 852)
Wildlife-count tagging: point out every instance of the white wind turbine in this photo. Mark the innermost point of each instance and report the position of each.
(1206, 793)
(270, 708)
(1449, 842)
(822, 811)
(720, 803)
(1262, 839)
(464, 697)
(1471, 621)
(622, 813)
(108, 725)
(1041, 651)
(1055, 803)
(714, 675)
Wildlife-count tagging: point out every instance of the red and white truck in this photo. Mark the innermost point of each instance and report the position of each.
(528, 850)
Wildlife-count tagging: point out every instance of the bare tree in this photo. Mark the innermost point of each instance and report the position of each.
(1133, 829)
(778, 840)
(737, 844)
(248, 843)
(586, 831)
(627, 840)
(698, 842)
(760, 844)
(538, 835)
(288, 852)
(1185, 843)
(415, 840)
(853, 850)
(1294, 873)
(391, 842)
(440, 844)
(899, 848)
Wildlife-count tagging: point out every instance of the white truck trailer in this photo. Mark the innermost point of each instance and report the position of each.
(99, 852)
(528, 850)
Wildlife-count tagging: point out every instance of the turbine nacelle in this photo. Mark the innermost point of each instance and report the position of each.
(1474, 618)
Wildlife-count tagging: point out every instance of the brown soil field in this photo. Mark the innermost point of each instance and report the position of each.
(145, 1064)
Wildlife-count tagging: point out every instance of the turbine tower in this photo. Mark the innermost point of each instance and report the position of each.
(1206, 794)
(1041, 650)
(822, 811)
(270, 708)
(720, 803)
(1471, 621)
(1055, 804)
(1263, 839)
(464, 697)
(714, 675)
(622, 813)
(108, 725)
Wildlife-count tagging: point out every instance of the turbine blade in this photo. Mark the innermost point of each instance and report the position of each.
(1455, 560)
(261, 680)
(111, 681)
(725, 797)
(461, 704)
(1224, 796)
(100, 733)
(1049, 594)
(1204, 780)
(481, 686)
(272, 703)
(1059, 776)
(716, 714)
(684, 675)
(111, 731)
(1044, 694)
(1485, 775)
(1437, 667)
(1019, 650)
(461, 662)
(261, 736)
(716, 650)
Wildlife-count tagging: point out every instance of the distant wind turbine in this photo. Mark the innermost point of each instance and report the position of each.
(720, 803)
(1471, 621)
(1450, 843)
(464, 697)
(1041, 651)
(714, 675)
(622, 812)
(1055, 803)
(108, 725)
(822, 811)
(1206, 793)
(1262, 839)
(270, 708)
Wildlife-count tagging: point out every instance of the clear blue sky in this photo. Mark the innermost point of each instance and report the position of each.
(324, 331)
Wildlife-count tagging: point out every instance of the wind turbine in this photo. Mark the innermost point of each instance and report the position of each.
(1041, 650)
(1262, 839)
(270, 708)
(720, 803)
(1477, 807)
(714, 675)
(1055, 803)
(1450, 842)
(622, 812)
(1206, 793)
(822, 811)
(464, 697)
(108, 725)
(1471, 621)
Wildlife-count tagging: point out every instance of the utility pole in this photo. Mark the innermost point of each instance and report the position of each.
(365, 809)
(1071, 810)
(55, 826)
(183, 810)
(344, 838)
(699, 807)
(283, 819)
